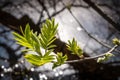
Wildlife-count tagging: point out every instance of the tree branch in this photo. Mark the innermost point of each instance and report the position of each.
(90, 58)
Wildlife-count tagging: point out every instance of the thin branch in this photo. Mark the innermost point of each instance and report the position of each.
(90, 58)
(42, 3)
(54, 14)
(83, 6)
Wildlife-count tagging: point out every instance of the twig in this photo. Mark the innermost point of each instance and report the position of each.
(54, 14)
(83, 6)
(90, 58)
(42, 3)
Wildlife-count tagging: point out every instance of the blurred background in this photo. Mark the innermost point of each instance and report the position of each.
(93, 23)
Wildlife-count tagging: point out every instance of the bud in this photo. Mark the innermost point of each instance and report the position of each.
(109, 55)
(105, 57)
(82, 56)
(100, 59)
(116, 41)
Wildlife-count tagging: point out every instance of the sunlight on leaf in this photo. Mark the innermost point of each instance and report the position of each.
(74, 48)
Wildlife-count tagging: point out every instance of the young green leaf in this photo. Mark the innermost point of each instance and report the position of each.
(22, 31)
(74, 48)
(48, 32)
(34, 59)
(18, 36)
(38, 60)
(60, 59)
(25, 44)
(48, 53)
(27, 32)
(22, 40)
(51, 46)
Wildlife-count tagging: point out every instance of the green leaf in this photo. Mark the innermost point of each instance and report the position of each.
(74, 48)
(19, 36)
(36, 43)
(51, 41)
(49, 58)
(27, 32)
(51, 46)
(34, 59)
(38, 60)
(48, 53)
(53, 22)
(22, 31)
(60, 60)
(35, 39)
(48, 32)
(25, 44)
(42, 43)
(21, 40)
(26, 50)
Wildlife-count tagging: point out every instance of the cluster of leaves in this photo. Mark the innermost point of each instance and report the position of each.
(34, 42)
(74, 48)
(60, 59)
